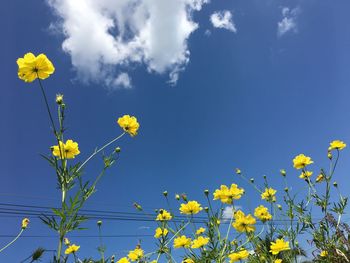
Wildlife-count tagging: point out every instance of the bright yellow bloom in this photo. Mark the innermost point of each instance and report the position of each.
(190, 208)
(305, 175)
(161, 232)
(187, 260)
(68, 150)
(31, 67)
(278, 246)
(227, 195)
(25, 223)
(182, 241)
(163, 215)
(135, 254)
(324, 253)
(269, 195)
(200, 230)
(262, 213)
(278, 261)
(243, 223)
(337, 145)
(301, 161)
(200, 242)
(123, 260)
(129, 124)
(234, 257)
(319, 178)
(71, 249)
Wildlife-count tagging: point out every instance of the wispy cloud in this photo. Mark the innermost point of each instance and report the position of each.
(223, 19)
(289, 21)
(227, 214)
(123, 80)
(104, 36)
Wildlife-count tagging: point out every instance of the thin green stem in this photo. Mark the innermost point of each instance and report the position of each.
(13, 241)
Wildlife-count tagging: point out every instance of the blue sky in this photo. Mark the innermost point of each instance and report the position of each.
(252, 99)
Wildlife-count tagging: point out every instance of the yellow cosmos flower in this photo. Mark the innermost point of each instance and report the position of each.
(324, 253)
(269, 195)
(123, 260)
(25, 223)
(200, 230)
(135, 254)
(187, 260)
(262, 213)
(68, 150)
(336, 145)
(31, 67)
(200, 242)
(278, 261)
(161, 232)
(129, 124)
(319, 178)
(234, 257)
(182, 241)
(305, 174)
(163, 215)
(244, 223)
(278, 246)
(190, 208)
(71, 249)
(301, 161)
(227, 195)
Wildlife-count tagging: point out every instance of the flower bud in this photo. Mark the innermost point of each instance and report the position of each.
(137, 206)
(184, 197)
(117, 150)
(59, 99)
(25, 223)
(252, 180)
(286, 189)
(329, 155)
(279, 207)
(99, 223)
(206, 192)
(206, 209)
(283, 172)
(66, 241)
(264, 176)
(177, 197)
(335, 184)
(238, 171)
(165, 193)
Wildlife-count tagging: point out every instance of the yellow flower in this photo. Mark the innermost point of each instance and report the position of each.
(226, 195)
(305, 174)
(278, 261)
(324, 253)
(182, 241)
(163, 215)
(319, 178)
(135, 254)
(200, 230)
(190, 208)
(68, 150)
(31, 67)
(187, 260)
(71, 249)
(301, 161)
(59, 99)
(200, 242)
(243, 223)
(278, 246)
(269, 195)
(123, 260)
(234, 257)
(25, 223)
(262, 213)
(337, 145)
(161, 232)
(129, 124)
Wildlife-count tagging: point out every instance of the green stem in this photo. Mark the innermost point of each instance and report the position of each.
(13, 241)
(96, 152)
(59, 249)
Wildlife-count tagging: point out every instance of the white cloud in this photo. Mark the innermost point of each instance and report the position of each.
(223, 19)
(102, 36)
(289, 21)
(123, 80)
